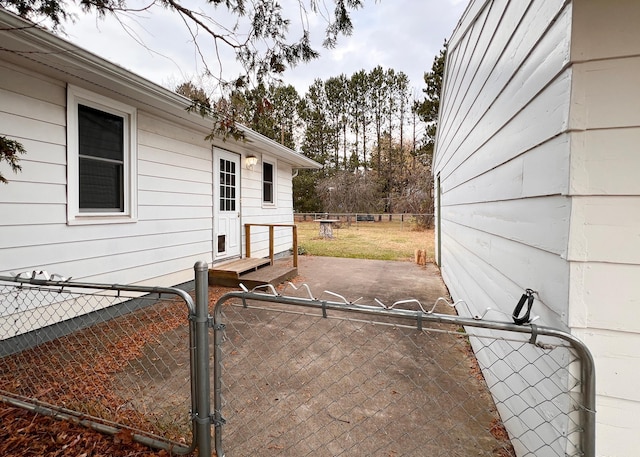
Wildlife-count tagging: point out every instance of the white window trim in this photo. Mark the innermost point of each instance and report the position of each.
(78, 96)
(274, 184)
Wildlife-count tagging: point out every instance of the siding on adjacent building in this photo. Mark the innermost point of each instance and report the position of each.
(604, 240)
(503, 157)
(537, 160)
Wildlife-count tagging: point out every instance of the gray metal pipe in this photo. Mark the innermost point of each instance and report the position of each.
(202, 414)
(72, 416)
(97, 286)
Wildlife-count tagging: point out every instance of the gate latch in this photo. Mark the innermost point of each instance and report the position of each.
(527, 298)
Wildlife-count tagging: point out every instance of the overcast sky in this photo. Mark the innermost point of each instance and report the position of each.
(404, 35)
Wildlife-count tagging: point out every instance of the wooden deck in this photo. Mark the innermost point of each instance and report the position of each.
(251, 272)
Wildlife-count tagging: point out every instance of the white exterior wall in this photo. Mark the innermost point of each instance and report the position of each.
(604, 241)
(502, 156)
(254, 211)
(173, 229)
(174, 225)
(537, 157)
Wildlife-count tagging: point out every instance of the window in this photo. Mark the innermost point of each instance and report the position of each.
(101, 164)
(101, 159)
(227, 185)
(267, 183)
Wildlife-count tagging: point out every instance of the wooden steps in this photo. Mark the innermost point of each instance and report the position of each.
(251, 272)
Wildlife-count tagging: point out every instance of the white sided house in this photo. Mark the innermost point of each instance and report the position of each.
(536, 167)
(118, 184)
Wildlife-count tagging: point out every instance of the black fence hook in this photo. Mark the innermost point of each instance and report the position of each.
(528, 298)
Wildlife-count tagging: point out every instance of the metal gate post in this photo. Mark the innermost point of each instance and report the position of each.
(202, 415)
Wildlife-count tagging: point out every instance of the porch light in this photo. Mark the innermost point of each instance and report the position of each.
(250, 161)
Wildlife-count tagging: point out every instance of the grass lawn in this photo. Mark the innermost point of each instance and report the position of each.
(367, 240)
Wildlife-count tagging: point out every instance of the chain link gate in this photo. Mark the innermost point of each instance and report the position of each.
(292, 376)
(302, 376)
(111, 357)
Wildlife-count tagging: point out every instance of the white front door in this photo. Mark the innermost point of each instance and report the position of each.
(226, 215)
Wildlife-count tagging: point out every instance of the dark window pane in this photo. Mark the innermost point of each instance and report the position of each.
(101, 185)
(227, 185)
(267, 172)
(267, 192)
(267, 182)
(101, 160)
(100, 134)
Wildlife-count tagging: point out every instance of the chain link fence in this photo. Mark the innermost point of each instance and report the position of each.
(420, 219)
(292, 375)
(301, 376)
(113, 357)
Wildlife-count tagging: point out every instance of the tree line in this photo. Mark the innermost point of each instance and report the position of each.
(257, 32)
(373, 137)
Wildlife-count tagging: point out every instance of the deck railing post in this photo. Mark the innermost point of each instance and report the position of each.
(247, 237)
(271, 243)
(247, 240)
(295, 245)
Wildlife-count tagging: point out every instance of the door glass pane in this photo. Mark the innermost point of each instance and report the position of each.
(227, 185)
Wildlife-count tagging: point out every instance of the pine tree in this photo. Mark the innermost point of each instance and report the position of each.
(428, 108)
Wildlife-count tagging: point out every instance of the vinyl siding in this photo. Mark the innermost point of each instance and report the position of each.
(175, 211)
(502, 154)
(172, 227)
(254, 211)
(604, 242)
(503, 159)
(537, 158)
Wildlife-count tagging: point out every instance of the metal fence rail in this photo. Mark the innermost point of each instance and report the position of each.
(302, 376)
(112, 357)
(292, 375)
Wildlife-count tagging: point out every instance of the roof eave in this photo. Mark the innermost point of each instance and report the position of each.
(78, 65)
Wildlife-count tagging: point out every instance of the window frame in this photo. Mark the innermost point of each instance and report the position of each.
(77, 96)
(274, 174)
